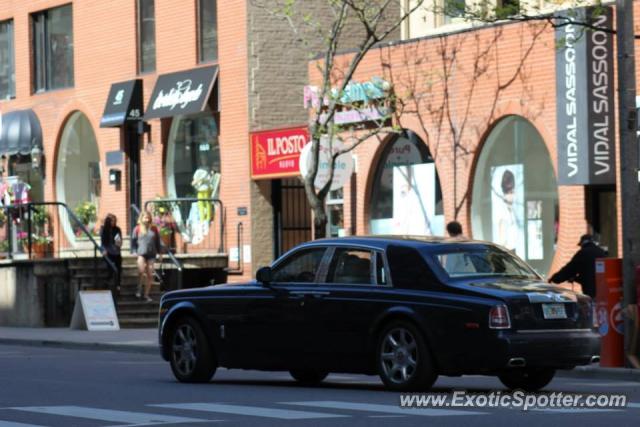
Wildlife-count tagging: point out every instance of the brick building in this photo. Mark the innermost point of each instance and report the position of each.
(466, 93)
(479, 109)
(83, 74)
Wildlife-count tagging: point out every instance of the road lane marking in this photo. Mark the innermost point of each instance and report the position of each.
(386, 409)
(248, 410)
(12, 424)
(126, 417)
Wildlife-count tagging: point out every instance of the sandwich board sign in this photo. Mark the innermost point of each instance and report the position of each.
(95, 311)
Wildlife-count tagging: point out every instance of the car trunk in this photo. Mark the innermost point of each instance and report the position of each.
(537, 306)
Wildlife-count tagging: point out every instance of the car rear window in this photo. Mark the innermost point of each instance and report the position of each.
(408, 268)
(485, 261)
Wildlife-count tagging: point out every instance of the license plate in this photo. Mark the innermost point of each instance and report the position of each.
(554, 311)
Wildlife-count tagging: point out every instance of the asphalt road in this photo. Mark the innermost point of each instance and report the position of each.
(42, 386)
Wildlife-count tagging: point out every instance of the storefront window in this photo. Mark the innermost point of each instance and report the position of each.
(193, 147)
(193, 171)
(21, 169)
(406, 197)
(515, 193)
(78, 169)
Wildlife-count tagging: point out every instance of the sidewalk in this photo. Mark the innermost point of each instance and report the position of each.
(146, 341)
(129, 340)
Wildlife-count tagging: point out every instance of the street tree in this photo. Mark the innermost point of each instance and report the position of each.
(357, 25)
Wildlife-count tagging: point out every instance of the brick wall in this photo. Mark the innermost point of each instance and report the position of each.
(105, 52)
(470, 79)
(277, 75)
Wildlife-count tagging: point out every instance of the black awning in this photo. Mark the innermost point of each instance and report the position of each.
(20, 132)
(184, 92)
(123, 103)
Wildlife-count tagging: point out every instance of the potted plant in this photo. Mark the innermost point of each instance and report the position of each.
(42, 246)
(87, 213)
(4, 248)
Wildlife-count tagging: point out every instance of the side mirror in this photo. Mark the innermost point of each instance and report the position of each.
(263, 275)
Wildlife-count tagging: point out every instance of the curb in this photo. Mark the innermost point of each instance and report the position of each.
(585, 372)
(125, 348)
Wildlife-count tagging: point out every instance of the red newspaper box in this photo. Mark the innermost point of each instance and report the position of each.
(609, 311)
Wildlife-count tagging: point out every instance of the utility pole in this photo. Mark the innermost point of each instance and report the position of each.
(629, 159)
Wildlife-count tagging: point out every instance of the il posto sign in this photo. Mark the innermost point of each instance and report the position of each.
(276, 153)
(585, 97)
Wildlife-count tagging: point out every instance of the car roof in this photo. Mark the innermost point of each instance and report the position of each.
(382, 241)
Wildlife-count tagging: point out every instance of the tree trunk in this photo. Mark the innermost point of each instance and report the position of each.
(317, 207)
(319, 223)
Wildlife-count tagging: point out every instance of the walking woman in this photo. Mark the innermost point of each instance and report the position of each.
(145, 242)
(111, 239)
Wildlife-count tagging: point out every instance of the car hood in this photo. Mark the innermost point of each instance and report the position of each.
(535, 291)
(222, 288)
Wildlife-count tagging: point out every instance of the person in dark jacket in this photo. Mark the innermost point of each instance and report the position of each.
(111, 239)
(582, 267)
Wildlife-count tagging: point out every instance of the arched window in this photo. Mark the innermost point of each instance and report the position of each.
(515, 193)
(78, 168)
(406, 197)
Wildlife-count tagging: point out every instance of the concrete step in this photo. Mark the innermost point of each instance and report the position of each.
(134, 322)
(151, 312)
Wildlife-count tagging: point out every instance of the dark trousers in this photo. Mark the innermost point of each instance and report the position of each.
(114, 279)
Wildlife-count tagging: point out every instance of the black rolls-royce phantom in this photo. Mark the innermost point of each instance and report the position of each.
(407, 309)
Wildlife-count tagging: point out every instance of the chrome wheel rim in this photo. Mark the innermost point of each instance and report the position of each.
(184, 349)
(399, 355)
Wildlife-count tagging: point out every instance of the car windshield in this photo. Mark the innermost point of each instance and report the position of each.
(483, 261)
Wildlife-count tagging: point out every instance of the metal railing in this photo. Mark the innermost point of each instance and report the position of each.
(38, 230)
(166, 250)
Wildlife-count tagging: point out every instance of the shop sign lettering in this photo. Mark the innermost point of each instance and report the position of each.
(276, 153)
(180, 95)
(361, 102)
(342, 169)
(585, 123)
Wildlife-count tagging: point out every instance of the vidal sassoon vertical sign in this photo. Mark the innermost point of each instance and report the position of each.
(584, 86)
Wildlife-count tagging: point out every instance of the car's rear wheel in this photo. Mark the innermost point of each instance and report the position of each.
(308, 376)
(191, 357)
(404, 360)
(528, 379)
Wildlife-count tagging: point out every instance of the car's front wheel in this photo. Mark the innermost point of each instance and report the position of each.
(528, 379)
(191, 357)
(308, 376)
(404, 360)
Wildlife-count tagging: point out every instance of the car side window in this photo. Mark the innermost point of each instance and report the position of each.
(408, 269)
(351, 266)
(300, 267)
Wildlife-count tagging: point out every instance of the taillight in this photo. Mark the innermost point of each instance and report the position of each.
(499, 317)
(594, 316)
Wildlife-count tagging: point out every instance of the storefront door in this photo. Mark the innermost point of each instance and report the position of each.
(291, 215)
(132, 143)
